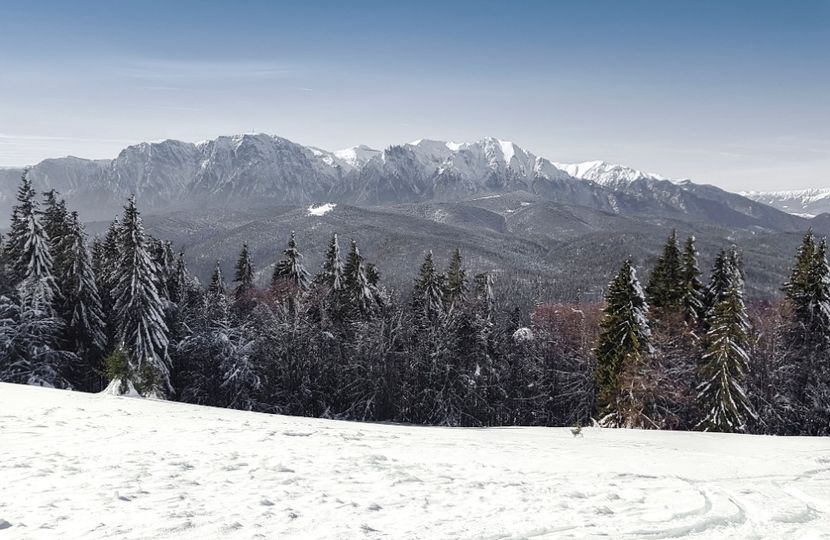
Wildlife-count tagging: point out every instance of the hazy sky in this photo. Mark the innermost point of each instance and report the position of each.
(731, 93)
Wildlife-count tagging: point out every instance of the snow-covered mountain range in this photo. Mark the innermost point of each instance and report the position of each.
(258, 169)
(802, 202)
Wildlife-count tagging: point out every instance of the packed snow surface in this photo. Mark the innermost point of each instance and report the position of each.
(99, 466)
(321, 210)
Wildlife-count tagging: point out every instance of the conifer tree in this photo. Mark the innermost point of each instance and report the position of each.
(165, 261)
(726, 261)
(428, 294)
(217, 282)
(623, 340)
(721, 397)
(692, 297)
(332, 268)
(29, 346)
(456, 282)
(81, 307)
(359, 295)
(38, 288)
(290, 269)
(18, 231)
(139, 309)
(807, 338)
(243, 273)
(55, 219)
(818, 383)
(665, 286)
(180, 281)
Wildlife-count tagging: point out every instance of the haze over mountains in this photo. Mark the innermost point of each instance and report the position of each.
(509, 209)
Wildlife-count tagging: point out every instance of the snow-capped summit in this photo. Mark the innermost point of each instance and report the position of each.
(357, 156)
(801, 202)
(606, 173)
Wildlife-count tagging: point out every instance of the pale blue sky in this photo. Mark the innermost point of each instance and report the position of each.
(732, 93)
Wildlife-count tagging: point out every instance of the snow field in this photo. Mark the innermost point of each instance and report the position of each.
(78, 465)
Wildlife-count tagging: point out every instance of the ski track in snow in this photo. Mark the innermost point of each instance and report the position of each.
(78, 465)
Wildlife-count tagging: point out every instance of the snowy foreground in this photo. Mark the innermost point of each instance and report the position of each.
(78, 465)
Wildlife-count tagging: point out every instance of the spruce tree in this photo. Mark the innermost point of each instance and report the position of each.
(818, 382)
(806, 337)
(692, 297)
(81, 306)
(456, 282)
(332, 268)
(38, 288)
(722, 400)
(622, 342)
(665, 287)
(243, 273)
(290, 269)
(428, 293)
(358, 295)
(56, 222)
(19, 230)
(217, 282)
(139, 309)
(726, 261)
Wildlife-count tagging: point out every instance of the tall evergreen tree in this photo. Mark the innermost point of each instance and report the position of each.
(692, 298)
(622, 342)
(243, 273)
(217, 282)
(81, 307)
(358, 295)
(290, 269)
(56, 222)
(665, 286)
(19, 230)
(456, 282)
(722, 400)
(428, 293)
(332, 269)
(807, 338)
(38, 288)
(727, 261)
(139, 309)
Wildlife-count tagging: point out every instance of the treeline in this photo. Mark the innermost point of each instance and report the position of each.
(123, 314)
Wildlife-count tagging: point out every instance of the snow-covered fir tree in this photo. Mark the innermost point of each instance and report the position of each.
(692, 298)
(456, 283)
(806, 337)
(428, 293)
(139, 309)
(359, 295)
(722, 400)
(243, 273)
(81, 305)
(623, 342)
(290, 268)
(30, 351)
(332, 268)
(55, 218)
(664, 290)
(37, 289)
(217, 281)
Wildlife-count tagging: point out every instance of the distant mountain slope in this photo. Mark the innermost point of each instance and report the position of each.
(249, 170)
(572, 250)
(803, 202)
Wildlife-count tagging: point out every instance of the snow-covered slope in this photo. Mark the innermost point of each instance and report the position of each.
(97, 466)
(803, 202)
